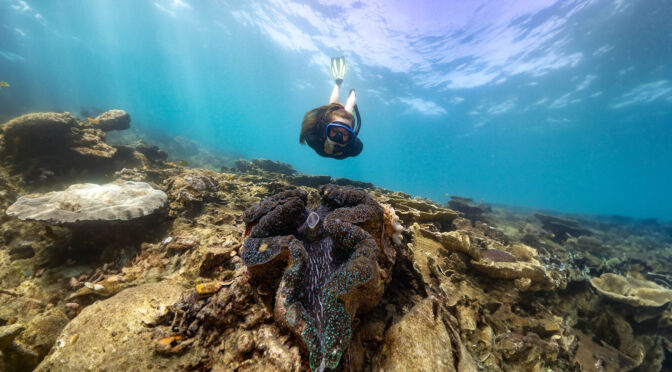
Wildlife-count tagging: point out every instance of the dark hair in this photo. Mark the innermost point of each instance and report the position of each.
(321, 116)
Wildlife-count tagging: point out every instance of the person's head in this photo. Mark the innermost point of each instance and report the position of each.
(339, 127)
(325, 115)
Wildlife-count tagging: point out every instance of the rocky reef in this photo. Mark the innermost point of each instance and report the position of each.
(114, 258)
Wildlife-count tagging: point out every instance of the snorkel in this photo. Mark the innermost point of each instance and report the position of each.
(358, 125)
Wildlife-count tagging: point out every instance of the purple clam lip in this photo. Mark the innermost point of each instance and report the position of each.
(313, 220)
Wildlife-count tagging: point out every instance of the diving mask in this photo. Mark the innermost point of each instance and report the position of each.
(339, 132)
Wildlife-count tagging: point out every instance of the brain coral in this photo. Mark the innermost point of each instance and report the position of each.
(326, 264)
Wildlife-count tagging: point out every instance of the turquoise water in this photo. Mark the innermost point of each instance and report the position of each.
(563, 105)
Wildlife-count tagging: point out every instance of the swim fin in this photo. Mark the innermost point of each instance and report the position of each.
(338, 69)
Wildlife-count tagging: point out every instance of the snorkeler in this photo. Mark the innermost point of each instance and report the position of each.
(331, 129)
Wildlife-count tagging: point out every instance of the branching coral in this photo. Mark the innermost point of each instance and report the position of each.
(328, 261)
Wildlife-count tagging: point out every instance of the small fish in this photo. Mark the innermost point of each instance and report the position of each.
(92, 120)
(4, 84)
(183, 163)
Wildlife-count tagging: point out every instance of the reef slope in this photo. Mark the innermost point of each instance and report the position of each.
(195, 282)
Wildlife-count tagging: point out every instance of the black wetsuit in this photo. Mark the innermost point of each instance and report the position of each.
(315, 139)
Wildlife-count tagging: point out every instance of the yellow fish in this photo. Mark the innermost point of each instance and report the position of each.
(183, 163)
(92, 120)
(4, 84)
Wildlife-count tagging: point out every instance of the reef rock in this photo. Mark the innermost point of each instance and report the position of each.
(113, 335)
(188, 192)
(52, 134)
(90, 202)
(37, 127)
(354, 183)
(561, 228)
(328, 262)
(9, 333)
(113, 120)
(37, 133)
(421, 211)
(418, 342)
(471, 211)
(517, 262)
(14, 354)
(259, 166)
(90, 142)
(56, 146)
(632, 291)
(309, 180)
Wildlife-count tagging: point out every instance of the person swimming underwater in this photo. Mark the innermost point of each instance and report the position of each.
(331, 129)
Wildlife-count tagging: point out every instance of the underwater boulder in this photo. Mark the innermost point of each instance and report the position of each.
(189, 191)
(353, 183)
(467, 206)
(632, 291)
(37, 133)
(113, 335)
(42, 331)
(90, 143)
(420, 341)
(309, 180)
(273, 166)
(14, 354)
(561, 228)
(259, 166)
(51, 146)
(153, 153)
(113, 120)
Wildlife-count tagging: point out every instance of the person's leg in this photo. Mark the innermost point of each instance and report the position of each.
(334, 93)
(352, 100)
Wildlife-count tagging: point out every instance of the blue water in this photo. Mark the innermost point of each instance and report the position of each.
(563, 105)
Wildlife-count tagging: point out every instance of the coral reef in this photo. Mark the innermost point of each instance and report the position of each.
(235, 267)
(470, 210)
(112, 120)
(50, 146)
(632, 291)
